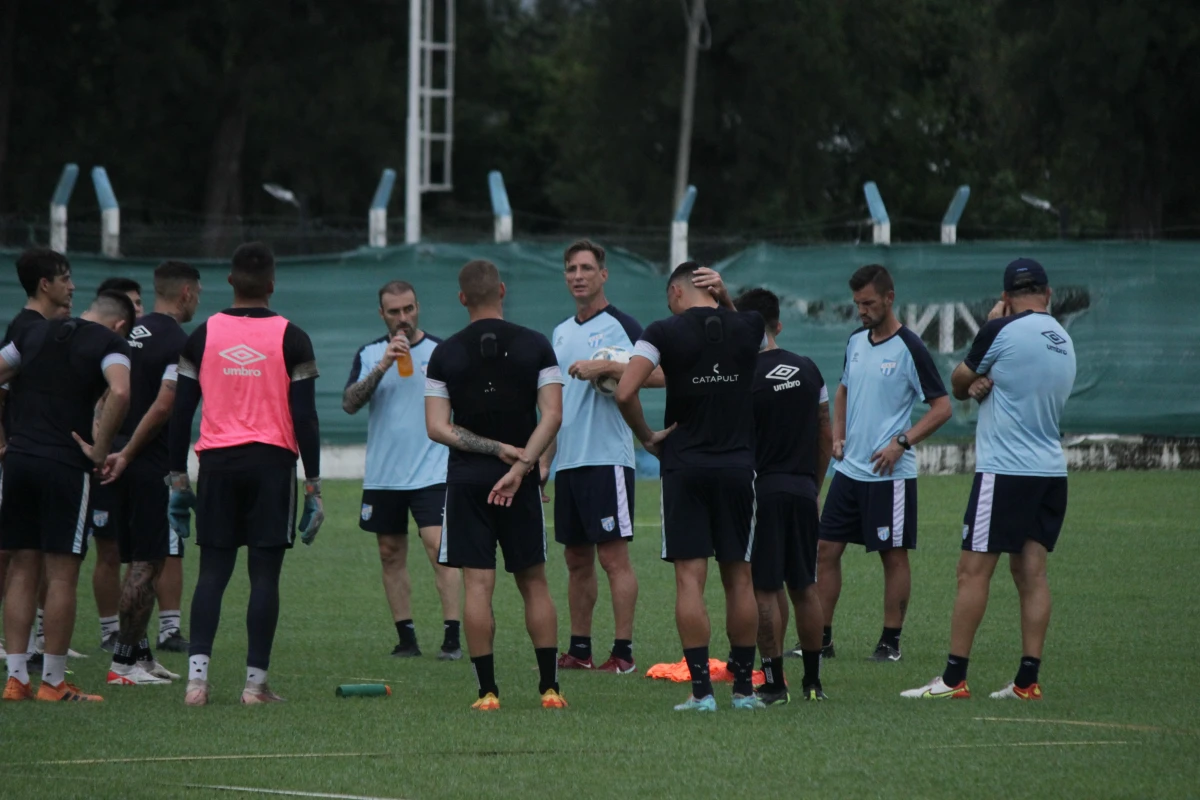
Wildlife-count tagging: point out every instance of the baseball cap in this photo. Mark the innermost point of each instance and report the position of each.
(1024, 273)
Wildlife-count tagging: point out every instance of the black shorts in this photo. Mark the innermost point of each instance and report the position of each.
(1006, 510)
(138, 513)
(879, 515)
(593, 505)
(473, 528)
(250, 507)
(708, 512)
(45, 506)
(101, 522)
(386, 510)
(785, 542)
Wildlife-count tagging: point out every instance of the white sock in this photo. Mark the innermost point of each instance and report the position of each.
(109, 625)
(168, 621)
(54, 669)
(198, 668)
(41, 623)
(256, 675)
(16, 667)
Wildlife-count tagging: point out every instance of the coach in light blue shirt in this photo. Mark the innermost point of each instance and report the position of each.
(405, 471)
(593, 484)
(1020, 369)
(872, 498)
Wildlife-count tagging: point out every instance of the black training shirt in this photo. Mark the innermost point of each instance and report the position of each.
(708, 357)
(61, 367)
(788, 393)
(491, 371)
(156, 341)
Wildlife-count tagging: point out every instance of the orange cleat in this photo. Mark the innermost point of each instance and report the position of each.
(15, 690)
(66, 692)
(489, 702)
(552, 699)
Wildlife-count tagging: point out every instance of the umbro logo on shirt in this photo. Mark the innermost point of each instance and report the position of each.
(243, 356)
(140, 332)
(1055, 341)
(784, 373)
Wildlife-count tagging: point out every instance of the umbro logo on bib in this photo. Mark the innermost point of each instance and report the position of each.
(243, 356)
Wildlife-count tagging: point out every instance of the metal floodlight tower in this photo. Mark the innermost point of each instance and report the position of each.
(953, 214)
(430, 82)
(58, 207)
(881, 223)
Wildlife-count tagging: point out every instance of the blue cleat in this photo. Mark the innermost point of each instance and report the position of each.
(747, 702)
(708, 703)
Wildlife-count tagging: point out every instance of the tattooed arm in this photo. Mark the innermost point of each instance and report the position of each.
(359, 393)
(443, 431)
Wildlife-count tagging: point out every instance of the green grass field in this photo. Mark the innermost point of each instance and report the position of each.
(1120, 719)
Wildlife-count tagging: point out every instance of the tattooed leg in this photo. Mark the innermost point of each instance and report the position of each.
(137, 600)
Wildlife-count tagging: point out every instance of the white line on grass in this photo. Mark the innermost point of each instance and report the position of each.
(246, 757)
(285, 792)
(1018, 744)
(1119, 725)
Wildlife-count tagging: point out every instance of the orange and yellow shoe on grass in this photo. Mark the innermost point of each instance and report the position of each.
(489, 702)
(67, 692)
(1014, 692)
(15, 690)
(552, 699)
(937, 689)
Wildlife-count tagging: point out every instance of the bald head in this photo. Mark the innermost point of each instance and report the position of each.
(479, 284)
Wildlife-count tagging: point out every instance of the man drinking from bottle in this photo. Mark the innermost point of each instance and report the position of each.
(256, 372)
(406, 470)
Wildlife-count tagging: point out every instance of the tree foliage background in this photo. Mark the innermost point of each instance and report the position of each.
(1093, 104)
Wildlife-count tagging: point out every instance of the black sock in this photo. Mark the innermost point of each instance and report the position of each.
(956, 670)
(142, 651)
(741, 664)
(697, 661)
(623, 649)
(547, 661)
(890, 637)
(125, 654)
(407, 631)
(827, 636)
(1027, 673)
(450, 639)
(812, 667)
(485, 674)
(581, 647)
(773, 673)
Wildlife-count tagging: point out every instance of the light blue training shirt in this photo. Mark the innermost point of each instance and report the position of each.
(884, 380)
(593, 432)
(400, 454)
(1031, 361)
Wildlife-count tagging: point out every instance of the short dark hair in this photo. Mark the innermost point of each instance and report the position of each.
(585, 246)
(114, 303)
(479, 281)
(119, 285)
(37, 263)
(396, 287)
(684, 271)
(874, 274)
(764, 301)
(253, 271)
(170, 277)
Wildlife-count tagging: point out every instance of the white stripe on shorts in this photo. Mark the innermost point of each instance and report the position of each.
(662, 517)
(291, 522)
(899, 496)
(624, 523)
(442, 550)
(753, 515)
(983, 513)
(81, 522)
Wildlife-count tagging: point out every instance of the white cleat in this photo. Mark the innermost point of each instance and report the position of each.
(74, 654)
(158, 670)
(1011, 692)
(259, 693)
(125, 675)
(197, 693)
(937, 689)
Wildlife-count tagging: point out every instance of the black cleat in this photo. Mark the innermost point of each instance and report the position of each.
(814, 693)
(884, 652)
(449, 653)
(409, 650)
(109, 643)
(174, 643)
(772, 697)
(827, 651)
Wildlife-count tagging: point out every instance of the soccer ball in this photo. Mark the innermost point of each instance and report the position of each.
(608, 386)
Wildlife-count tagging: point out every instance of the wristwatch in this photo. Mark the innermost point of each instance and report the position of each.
(902, 440)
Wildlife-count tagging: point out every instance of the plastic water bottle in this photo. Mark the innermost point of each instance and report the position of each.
(404, 364)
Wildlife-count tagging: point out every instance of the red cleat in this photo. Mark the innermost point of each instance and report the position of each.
(568, 661)
(617, 665)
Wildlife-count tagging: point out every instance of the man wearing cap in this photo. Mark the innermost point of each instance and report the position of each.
(1020, 369)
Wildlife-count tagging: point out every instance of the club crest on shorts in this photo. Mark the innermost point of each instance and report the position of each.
(594, 339)
(887, 367)
(883, 533)
(366, 512)
(99, 518)
(966, 532)
(608, 523)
